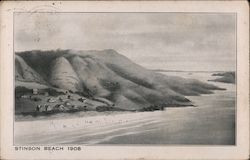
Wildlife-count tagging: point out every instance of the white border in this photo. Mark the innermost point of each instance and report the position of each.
(240, 151)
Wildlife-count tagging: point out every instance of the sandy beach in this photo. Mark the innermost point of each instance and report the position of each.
(211, 122)
(84, 125)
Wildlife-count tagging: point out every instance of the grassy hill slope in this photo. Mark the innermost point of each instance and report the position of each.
(112, 76)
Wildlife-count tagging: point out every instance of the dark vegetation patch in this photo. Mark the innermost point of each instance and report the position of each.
(110, 85)
(226, 77)
(19, 91)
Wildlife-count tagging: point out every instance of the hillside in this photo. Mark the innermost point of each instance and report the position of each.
(108, 75)
(226, 77)
(25, 73)
(63, 75)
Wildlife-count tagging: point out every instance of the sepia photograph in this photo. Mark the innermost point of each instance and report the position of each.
(136, 80)
(125, 78)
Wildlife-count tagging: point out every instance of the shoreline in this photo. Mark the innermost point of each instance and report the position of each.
(54, 127)
(65, 115)
(81, 114)
(212, 122)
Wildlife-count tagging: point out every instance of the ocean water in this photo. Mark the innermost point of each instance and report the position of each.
(212, 122)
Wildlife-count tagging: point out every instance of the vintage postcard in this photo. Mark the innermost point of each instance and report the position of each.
(124, 80)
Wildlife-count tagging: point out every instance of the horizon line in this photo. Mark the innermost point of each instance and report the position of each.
(169, 70)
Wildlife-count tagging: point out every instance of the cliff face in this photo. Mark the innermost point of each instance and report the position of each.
(109, 75)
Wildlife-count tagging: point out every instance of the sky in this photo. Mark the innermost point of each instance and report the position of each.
(171, 41)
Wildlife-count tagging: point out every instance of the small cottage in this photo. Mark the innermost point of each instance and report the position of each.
(25, 96)
(35, 91)
(51, 100)
(48, 108)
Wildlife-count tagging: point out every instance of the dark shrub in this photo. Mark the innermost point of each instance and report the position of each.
(53, 92)
(19, 91)
(103, 108)
(36, 99)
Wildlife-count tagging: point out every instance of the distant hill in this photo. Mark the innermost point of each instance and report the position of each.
(226, 77)
(106, 74)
